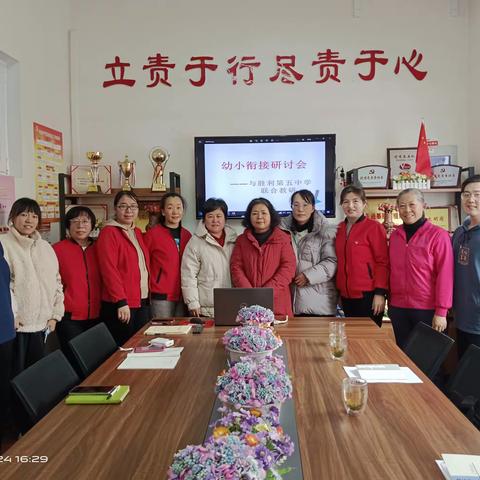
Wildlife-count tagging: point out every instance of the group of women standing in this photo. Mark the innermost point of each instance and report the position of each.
(126, 277)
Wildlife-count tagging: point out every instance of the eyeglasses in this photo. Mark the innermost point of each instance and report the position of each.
(80, 222)
(469, 195)
(124, 208)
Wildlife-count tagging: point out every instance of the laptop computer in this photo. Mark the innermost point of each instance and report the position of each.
(228, 301)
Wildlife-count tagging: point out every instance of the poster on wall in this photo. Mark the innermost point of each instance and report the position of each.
(48, 150)
(7, 197)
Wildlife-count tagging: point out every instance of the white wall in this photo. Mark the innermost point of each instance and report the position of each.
(474, 84)
(367, 117)
(35, 33)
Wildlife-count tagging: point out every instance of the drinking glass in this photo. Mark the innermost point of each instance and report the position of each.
(355, 395)
(338, 346)
(337, 328)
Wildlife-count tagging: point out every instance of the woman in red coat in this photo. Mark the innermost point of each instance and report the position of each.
(80, 272)
(166, 243)
(362, 256)
(263, 255)
(124, 265)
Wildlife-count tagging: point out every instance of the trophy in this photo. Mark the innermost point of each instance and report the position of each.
(127, 169)
(159, 158)
(94, 158)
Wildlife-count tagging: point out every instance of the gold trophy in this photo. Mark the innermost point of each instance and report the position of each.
(159, 158)
(127, 169)
(94, 158)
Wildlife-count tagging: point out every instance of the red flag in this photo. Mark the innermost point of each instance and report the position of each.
(422, 160)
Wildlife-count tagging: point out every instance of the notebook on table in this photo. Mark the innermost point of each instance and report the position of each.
(96, 399)
(228, 301)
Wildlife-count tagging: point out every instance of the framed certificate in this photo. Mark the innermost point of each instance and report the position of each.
(446, 176)
(81, 178)
(401, 160)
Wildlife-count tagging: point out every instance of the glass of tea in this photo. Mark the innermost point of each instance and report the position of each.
(355, 395)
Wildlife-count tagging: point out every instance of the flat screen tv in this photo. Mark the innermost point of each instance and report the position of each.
(241, 168)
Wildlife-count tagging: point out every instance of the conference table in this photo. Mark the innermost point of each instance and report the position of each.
(404, 428)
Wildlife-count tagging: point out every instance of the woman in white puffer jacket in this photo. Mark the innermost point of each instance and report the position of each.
(206, 259)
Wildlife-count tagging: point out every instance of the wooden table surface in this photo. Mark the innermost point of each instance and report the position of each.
(403, 430)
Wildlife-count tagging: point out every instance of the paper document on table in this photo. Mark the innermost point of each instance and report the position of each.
(462, 467)
(443, 468)
(168, 330)
(142, 362)
(167, 352)
(383, 373)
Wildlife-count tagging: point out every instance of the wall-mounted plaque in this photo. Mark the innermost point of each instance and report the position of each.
(81, 178)
(369, 176)
(446, 176)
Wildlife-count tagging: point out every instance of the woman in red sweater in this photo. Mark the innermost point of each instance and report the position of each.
(124, 261)
(166, 243)
(263, 255)
(80, 272)
(362, 256)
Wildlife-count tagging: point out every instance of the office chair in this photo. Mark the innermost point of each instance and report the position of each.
(463, 388)
(428, 348)
(42, 385)
(91, 348)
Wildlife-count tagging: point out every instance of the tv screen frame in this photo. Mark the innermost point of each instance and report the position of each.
(329, 168)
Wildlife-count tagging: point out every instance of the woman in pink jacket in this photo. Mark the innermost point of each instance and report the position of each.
(421, 269)
(263, 255)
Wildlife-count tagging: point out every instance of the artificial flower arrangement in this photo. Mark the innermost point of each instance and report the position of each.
(255, 383)
(255, 315)
(224, 458)
(386, 207)
(410, 180)
(251, 339)
(263, 432)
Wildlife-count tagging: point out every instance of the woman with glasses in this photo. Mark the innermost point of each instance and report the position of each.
(166, 243)
(421, 269)
(362, 253)
(34, 282)
(124, 267)
(466, 248)
(314, 292)
(263, 255)
(80, 272)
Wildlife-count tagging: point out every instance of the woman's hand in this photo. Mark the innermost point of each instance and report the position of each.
(195, 312)
(124, 314)
(301, 280)
(378, 304)
(439, 323)
(52, 325)
(18, 323)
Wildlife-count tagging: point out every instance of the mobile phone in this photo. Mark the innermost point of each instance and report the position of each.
(94, 390)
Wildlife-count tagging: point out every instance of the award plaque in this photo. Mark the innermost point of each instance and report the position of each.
(369, 176)
(159, 158)
(81, 179)
(446, 176)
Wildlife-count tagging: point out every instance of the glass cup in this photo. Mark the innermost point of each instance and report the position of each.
(337, 328)
(355, 395)
(338, 346)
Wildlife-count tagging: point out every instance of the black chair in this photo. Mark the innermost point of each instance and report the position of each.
(428, 348)
(42, 385)
(91, 348)
(463, 388)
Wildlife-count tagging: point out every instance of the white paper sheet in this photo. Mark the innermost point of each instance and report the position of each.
(142, 362)
(401, 375)
(168, 352)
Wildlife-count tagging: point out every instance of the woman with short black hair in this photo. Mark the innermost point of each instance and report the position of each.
(80, 272)
(35, 282)
(263, 255)
(124, 267)
(206, 259)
